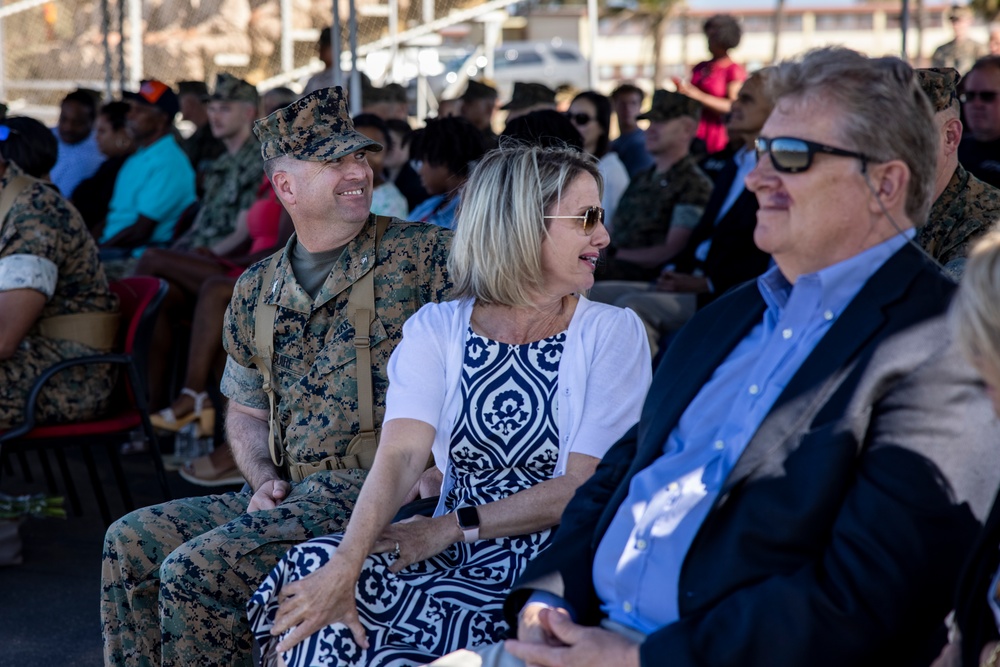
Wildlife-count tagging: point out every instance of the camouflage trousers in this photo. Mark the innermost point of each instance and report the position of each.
(176, 577)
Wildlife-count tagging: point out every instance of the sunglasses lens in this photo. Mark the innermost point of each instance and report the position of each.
(4, 133)
(592, 218)
(789, 154)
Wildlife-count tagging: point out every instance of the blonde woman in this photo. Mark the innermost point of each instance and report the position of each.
(518, 388)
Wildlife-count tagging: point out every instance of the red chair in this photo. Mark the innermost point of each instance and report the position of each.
(140, 299)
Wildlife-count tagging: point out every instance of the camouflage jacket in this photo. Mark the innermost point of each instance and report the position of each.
(231, 183)
(314, 357)
(960, 55)
(966, 210)
(45, 245)
(646, 208)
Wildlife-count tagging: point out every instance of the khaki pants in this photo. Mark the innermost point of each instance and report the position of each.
(660, 312)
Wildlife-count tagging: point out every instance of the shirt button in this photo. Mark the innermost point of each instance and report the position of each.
(828, 315)
(627, 607)
(754, 390)
(641, 545)
(673, 487)
(786, 334)
(720, 444)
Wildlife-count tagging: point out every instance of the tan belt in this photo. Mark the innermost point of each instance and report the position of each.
(96, 330)
(360, 454)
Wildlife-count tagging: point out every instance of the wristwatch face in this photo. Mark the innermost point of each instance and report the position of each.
(468, 517)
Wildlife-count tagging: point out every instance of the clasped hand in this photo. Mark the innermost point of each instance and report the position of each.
(546, 637)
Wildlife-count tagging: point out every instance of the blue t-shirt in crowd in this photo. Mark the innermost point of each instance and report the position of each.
(436, 210)
(157, 181)
(75, 163)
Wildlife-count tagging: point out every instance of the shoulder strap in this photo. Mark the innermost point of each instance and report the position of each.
(17, 185)
(264, 343)
(361, 312)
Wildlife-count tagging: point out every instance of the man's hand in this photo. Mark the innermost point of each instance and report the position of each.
(581, 646)
(419, 538)
(681, 283)
(324, 597)
(269, 495)
(531, 629)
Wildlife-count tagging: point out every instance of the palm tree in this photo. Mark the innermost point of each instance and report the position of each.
(988, 9)
(779, 15)
(657, 13)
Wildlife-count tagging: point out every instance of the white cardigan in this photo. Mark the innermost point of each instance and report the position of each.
(604, 374)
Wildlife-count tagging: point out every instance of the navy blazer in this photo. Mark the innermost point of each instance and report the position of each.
(838, 536)
(733, 258)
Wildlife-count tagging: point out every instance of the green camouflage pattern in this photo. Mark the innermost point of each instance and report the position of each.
(668, 105)
(316, 127)
(229, 88)
(967, 209)
(940, 86)
(194, 563)
(42, 223)
(646, 208)
(230, 182)
(960, 55)
(527, 95)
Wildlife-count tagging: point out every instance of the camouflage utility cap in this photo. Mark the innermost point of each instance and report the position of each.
(228, 88)
(940, 86)
(959, 12)
(528, 95)
(668, 105)
(477, 90)
(316, 127)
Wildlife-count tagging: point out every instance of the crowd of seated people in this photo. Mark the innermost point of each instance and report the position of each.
(451, 332)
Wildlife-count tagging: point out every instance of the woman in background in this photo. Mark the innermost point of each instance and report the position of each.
(92, 195)
(446, 149)
(590, 113)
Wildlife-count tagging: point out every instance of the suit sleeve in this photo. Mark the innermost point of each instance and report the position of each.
(877, 588)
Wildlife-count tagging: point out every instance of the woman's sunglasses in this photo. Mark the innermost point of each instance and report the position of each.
(592, 217)
(579, 118)
(791, 156)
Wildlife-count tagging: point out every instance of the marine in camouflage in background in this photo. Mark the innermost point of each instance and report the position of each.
(176, 577)
(45, 246)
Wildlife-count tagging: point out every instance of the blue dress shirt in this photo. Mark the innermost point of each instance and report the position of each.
(638, 562)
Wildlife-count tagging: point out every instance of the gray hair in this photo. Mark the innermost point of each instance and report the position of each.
(975, 310)
(496, 255)
(885, 115)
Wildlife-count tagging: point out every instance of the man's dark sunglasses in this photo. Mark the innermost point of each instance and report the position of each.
(579, 118)
(986, 96)
(791, 155)
(592, 217)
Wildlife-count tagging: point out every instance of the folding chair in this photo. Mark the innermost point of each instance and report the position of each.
(140, 299)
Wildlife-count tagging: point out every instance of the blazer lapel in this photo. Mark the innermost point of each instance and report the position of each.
(831, 361)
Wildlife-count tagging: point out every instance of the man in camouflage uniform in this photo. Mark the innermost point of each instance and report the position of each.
(965, 208)
(231, 180)
(961, 52)
(663, 204)
(48, 268)
(176, 576)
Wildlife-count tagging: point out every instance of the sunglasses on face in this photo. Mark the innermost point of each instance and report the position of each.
(592, 217)
(579, 118)
(791, 156)
(987, 96)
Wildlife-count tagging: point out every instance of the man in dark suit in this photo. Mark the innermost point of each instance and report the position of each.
(720, 253)
(815, 458)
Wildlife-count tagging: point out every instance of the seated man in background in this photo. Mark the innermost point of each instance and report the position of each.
(720, 253)
(528, 97)
(201, 147)
(156, 183)
(663, 204)
(964, 207)
(807, 477)
(79, 155)
(54, 296)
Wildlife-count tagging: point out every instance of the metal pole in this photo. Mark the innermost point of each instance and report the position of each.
(904, 24)
(335, 45)
(121, 46)
(352, 36)
(105, 29)
(135, 42)
(394, 48)
(3, 62)
(287, 54)
(592, 19)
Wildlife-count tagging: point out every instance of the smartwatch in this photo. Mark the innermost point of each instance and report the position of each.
(468, 522)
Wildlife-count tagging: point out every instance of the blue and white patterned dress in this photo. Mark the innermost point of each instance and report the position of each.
(505, 440)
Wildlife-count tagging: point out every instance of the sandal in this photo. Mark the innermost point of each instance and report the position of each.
(204, 471)
(166, 420)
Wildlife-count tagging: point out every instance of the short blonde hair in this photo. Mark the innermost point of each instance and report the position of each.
(496, 255)
(975, 311)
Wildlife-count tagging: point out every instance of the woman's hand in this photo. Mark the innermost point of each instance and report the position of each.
(419, 538)
(324, 597)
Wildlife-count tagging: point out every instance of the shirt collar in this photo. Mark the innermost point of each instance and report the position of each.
(839, 283)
